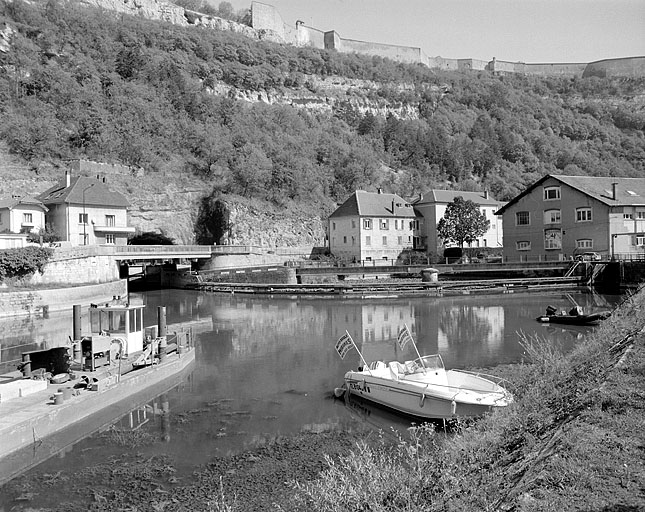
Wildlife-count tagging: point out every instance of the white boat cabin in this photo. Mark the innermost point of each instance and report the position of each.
(122, 322)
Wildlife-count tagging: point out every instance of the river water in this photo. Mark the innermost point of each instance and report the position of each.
(267, 367)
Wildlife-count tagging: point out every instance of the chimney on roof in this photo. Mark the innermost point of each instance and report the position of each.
(68, 179)
(485, 194)
(613, 190)
(379, 190)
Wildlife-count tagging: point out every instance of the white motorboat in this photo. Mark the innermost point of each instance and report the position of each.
(424, 388)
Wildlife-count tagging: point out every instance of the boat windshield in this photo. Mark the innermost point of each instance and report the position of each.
(433, 362)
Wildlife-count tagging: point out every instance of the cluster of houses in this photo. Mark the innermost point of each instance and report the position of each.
(555, 219)
(81, 210)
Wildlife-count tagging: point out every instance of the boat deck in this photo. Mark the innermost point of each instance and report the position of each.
(27, 423)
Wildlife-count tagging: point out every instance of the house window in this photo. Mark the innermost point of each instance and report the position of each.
(27, 218)
(552, 239)
(583, 214)
(384, 240)
(552, 217)
(385, 224)
(523, 246)
(628, 216)
(344, 239)
(400, 240)
(522, 219)
(82, 238)
(368, 240)
(82, 218)
(367, 223)
(584, 243)
(551, 193)
(396, 223)
(353, 224)
(333, 226)
(353, 241)
(640, 215)
(110, 220)
(110, 239)
(639, 240)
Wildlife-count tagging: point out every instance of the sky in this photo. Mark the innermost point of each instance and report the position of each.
(512, 30)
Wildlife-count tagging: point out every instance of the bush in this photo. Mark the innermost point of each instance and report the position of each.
(151, 238)
(23, 262)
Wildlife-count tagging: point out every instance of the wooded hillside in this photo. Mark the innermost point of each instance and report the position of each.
(184, 104)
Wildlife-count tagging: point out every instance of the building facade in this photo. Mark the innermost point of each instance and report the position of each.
(559, 217)
(21, 215)
(370, 227)
(432, 207)
(85, 211)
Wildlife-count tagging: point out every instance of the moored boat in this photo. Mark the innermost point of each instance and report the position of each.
(575, 316)
(422, 387)
(425, 389)
(115, 366)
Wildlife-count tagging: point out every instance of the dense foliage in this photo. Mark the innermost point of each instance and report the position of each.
(462, 222)
(23, 262)
(79, 82)
(150, 238)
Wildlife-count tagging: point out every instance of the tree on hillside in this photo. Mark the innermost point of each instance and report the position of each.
(462, 222)
(150, 238)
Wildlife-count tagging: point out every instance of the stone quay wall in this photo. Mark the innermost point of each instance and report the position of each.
(42, 302)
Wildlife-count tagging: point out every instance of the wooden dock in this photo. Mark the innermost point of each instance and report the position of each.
(390, 287)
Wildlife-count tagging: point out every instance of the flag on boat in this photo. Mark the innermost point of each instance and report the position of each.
(344, 345)
(404, 336)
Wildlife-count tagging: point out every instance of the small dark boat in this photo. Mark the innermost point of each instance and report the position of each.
(574, 317)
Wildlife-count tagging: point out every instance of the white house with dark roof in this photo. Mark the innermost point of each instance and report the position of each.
(21, 214)
(372, 226)
(85, 211)
(432, 207)
(559, 217)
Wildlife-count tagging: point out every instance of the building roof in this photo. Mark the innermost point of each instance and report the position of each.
(374, 204)
(628, 191)
(13, 201)
(448, 196)
(84, 190)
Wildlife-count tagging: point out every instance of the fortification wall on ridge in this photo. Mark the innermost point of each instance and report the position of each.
(406, 54)
(628, 66)
(472, 65)
(308, 36)
(556, 69)
(266, 17)
(267, 24)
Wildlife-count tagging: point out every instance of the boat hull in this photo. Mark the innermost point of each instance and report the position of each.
(573, 319)
(414, 400)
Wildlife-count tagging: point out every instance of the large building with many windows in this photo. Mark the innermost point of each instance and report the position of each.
(559, 217)
(372, 226)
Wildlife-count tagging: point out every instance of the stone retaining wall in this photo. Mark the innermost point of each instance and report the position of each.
(41, 302)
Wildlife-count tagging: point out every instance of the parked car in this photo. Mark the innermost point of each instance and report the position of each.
(589, 256)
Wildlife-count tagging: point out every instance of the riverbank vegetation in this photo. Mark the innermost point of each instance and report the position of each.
(23, 262)
(572, 441)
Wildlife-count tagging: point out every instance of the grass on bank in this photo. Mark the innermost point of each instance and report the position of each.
(571, 441)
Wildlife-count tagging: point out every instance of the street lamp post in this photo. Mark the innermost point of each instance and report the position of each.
(85, 215)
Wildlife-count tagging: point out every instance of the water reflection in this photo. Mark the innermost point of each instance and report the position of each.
(266, 367)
